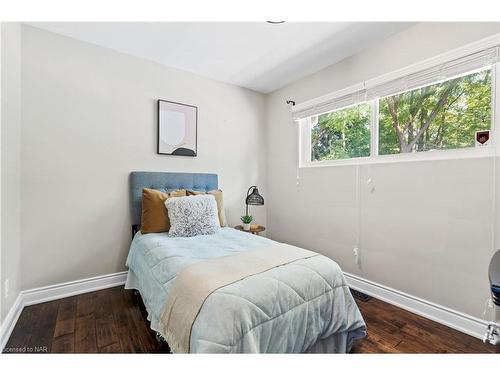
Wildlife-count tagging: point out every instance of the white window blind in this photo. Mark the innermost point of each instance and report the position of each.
(369, 90)
(328, 104)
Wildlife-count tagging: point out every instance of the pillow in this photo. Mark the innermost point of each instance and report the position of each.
(192, 215)
(154, 217)
(220, 204)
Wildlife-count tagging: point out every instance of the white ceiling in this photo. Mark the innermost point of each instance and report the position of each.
(256, 55)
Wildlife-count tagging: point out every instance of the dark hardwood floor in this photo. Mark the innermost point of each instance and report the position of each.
(114, 321)
(394, 330)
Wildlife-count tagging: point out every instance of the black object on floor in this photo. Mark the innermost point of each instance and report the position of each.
(360, 295)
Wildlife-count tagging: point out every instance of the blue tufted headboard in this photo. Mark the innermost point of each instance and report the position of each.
(166, 181)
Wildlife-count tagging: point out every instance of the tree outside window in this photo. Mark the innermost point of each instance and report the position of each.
(441, 116)
(342, 134)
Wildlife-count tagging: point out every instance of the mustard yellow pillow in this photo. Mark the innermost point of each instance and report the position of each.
(154, 216)
(220, 203)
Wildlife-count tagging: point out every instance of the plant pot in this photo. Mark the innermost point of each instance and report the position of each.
(246, 226)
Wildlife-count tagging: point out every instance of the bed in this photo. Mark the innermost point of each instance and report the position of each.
(303, 306)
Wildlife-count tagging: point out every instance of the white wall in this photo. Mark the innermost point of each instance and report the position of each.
(424, 228)
(10, 165)
(89, 118)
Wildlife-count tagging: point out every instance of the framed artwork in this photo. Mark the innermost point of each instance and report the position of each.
(177, 128)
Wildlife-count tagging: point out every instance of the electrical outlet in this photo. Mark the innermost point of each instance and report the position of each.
(6, 288)
(355, 251)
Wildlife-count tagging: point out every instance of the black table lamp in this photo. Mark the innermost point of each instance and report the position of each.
(253, 198)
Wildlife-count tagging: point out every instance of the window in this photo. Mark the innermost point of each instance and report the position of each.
(440, 116)
(444, 114)
(341, 134)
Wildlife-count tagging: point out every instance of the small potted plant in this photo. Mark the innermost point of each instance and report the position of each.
(246, 219)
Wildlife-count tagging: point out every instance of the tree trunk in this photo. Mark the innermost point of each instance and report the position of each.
(441, 103)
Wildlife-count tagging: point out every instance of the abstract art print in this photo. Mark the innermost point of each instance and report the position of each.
(177, 128)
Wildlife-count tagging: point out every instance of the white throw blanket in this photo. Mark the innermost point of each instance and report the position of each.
(196, 282)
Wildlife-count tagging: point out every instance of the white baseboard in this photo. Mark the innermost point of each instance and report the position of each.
(53, 292)
(72, 288)
(454, 319)
(10, 320)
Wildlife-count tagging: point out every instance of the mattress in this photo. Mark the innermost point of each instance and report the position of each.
(299, 307)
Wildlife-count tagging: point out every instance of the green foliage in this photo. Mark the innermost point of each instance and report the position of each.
(442, 116)
(246, 219)
(342, 134)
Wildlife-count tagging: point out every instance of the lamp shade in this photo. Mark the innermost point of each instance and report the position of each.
(254, 198)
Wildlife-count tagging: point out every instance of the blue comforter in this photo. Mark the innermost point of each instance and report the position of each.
(287, 309)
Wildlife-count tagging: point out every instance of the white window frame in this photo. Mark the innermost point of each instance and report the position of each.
(374, 158)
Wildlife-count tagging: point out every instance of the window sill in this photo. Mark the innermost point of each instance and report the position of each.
(466, 153)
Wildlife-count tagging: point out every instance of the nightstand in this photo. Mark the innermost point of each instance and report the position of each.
(256, 231)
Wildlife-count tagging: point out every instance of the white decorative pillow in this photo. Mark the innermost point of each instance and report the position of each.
(192, 216)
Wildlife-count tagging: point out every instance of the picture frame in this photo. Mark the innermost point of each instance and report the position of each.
(177, 128)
